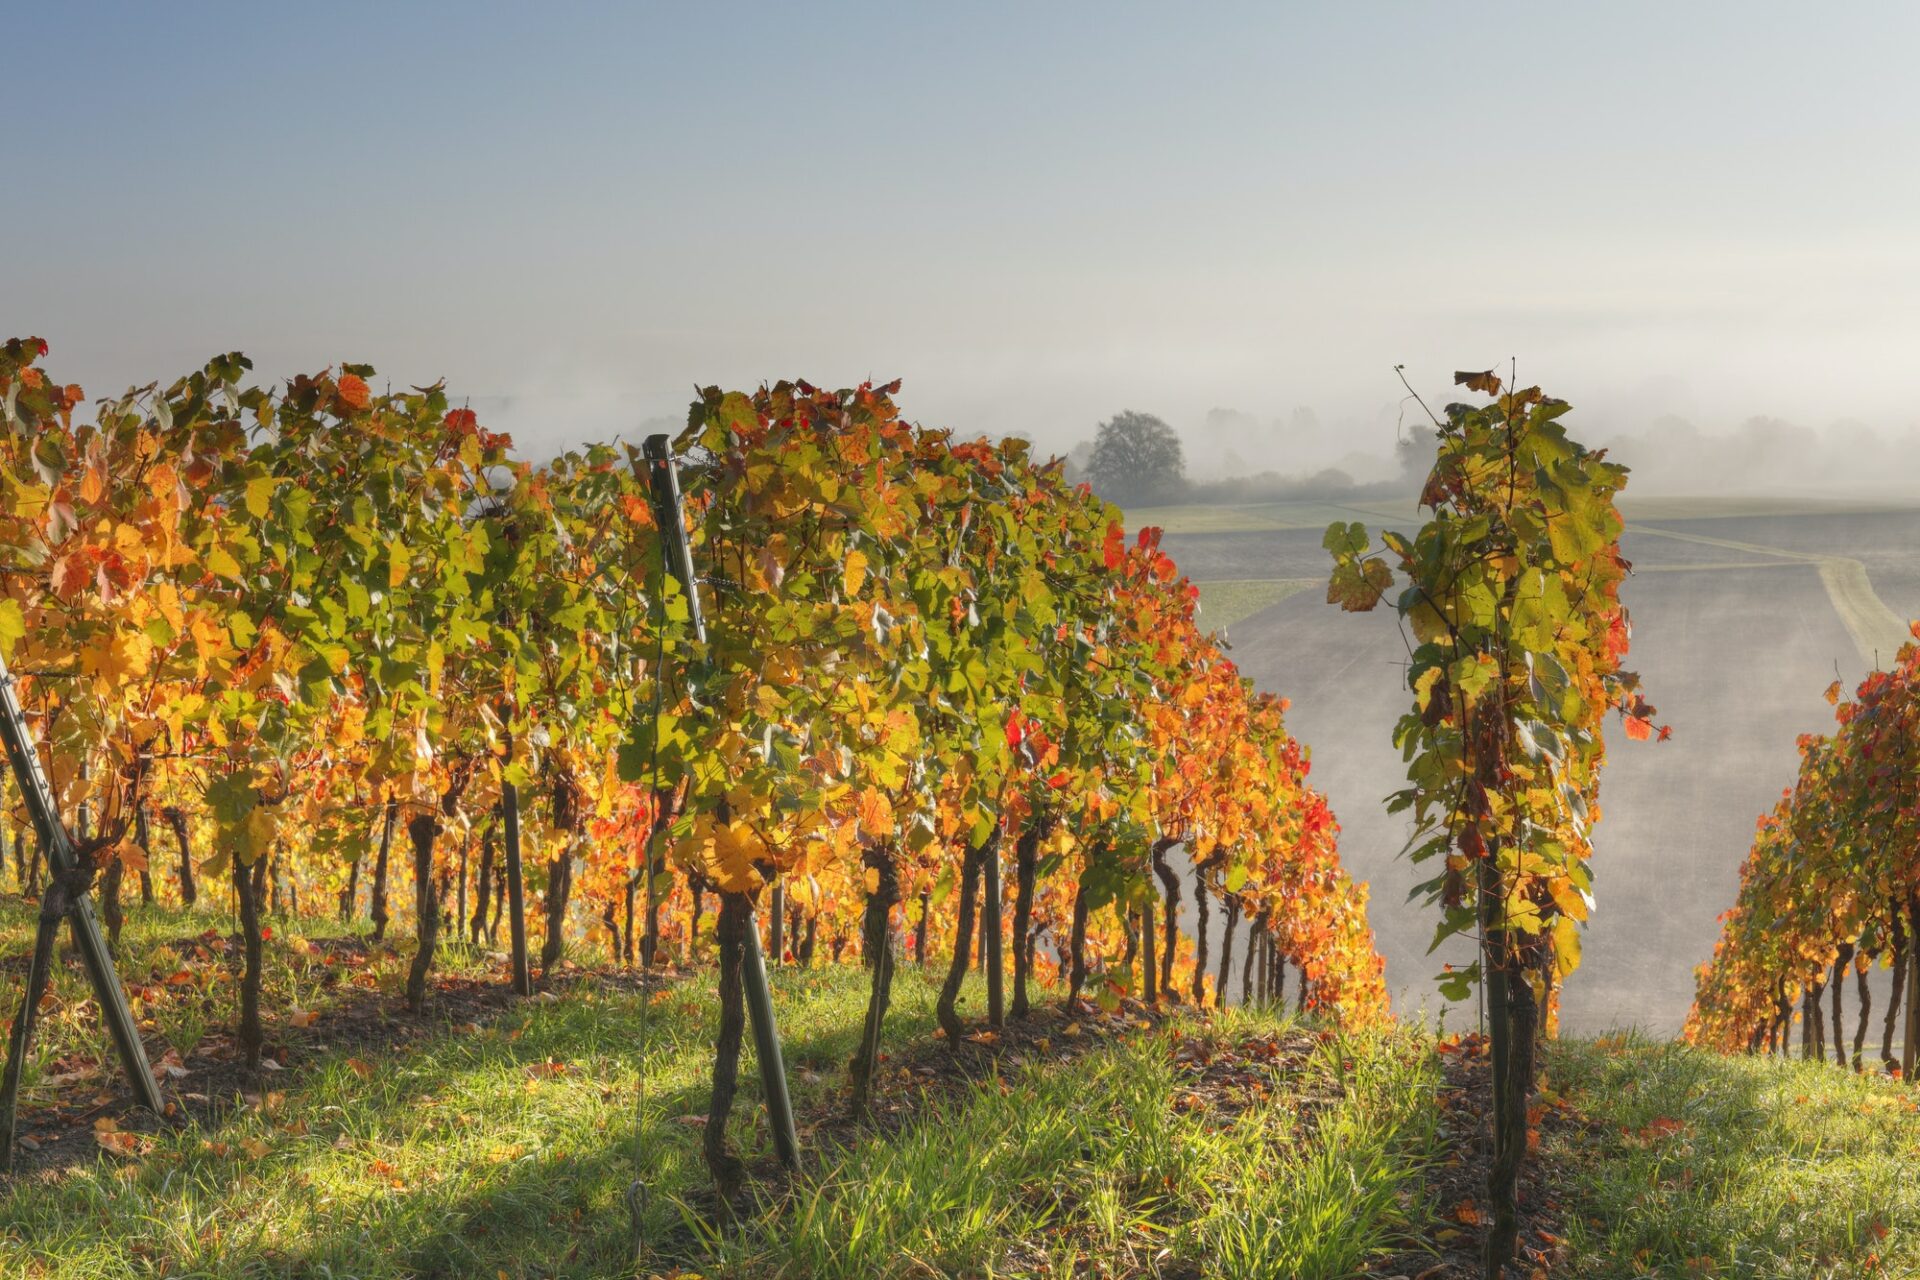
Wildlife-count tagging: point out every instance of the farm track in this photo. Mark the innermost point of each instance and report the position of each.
(1876, 629)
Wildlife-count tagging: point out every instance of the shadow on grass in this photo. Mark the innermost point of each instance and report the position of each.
(210, 1082)
(413, 1170)
(1690, 1161)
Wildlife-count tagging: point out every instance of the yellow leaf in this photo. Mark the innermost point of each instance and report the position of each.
(221, 563)
(259, 496)
(167, 599)
(116, 658)
(397, 562)
(1423, 686)
(1567, 898)
(853, 574)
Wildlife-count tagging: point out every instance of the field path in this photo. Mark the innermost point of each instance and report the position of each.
(1877, 630)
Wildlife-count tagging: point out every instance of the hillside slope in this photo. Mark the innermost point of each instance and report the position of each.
(497, 1136)
(500, 1137)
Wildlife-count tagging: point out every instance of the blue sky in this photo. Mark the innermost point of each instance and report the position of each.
(1036, 215)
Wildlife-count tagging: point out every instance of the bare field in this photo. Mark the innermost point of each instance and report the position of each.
(1740, 623)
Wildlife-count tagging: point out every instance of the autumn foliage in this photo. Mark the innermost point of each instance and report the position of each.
(313, 628)
(1512, 600)
(1830, 889)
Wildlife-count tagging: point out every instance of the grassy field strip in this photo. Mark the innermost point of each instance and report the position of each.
(1701, 507)
(1208, 519)
(1226, 601)
(1221, 1147)
(1126, 1161)
(1266, 516)
(1248, 517)
(1693, 1165)
(1877, 631)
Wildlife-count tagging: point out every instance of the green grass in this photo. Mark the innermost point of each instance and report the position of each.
(1775, 1169)
(455, 1149)
(1725, 506)
(508, 1149)
(1196, 517)
(1232, 600)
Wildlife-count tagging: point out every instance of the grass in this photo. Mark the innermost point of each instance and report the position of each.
(1228, 601)
(1734, 506)
(1200, 517)
(396, 1147)
(1698, 1165)
(507, 1148)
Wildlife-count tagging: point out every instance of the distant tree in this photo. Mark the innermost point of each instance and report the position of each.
(1137, 461)
(1416, 451)
(1076, 462)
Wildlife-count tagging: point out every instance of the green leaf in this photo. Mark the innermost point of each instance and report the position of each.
(1345, 540)
(1357, 585)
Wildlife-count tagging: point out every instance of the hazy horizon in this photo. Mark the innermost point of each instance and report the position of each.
(1035, 218)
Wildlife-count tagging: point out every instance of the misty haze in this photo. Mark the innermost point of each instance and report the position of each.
(854, 642)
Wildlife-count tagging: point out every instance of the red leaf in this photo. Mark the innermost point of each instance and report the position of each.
(353, 390)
